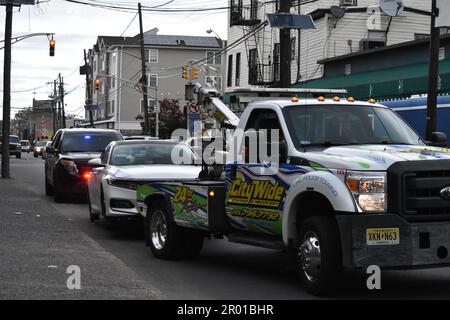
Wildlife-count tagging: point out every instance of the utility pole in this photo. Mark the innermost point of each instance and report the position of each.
(285, 48)
(54, 108)
(144, 75)
(59, 103)
(433, 73)
(61, 98)
(89, 92)
(7, 89)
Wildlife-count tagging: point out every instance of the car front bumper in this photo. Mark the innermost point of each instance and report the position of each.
(114, 196)
(420, 245)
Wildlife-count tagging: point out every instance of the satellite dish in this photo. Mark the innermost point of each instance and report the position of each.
(338, 12)
(393, 8)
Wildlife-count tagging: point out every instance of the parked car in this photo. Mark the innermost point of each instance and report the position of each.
(38, 149)
(66, 167)
(14, 146)
(127, 164)
(140, 138)
(44, 153)
(26, 146)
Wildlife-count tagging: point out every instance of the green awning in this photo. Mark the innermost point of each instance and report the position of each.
(386, 83)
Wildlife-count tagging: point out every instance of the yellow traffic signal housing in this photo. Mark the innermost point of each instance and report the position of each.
(185, 73)
(52, 47)
(97, 84)
(194, 73)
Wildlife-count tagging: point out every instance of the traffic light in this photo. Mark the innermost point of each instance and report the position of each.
(52, 47)
(194, 73)
(185, 73)
(97, 84)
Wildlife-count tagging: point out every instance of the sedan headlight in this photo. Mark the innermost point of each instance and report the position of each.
(124, 184)
(368, 189)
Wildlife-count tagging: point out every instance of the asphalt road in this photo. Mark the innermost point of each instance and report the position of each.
(222, 271)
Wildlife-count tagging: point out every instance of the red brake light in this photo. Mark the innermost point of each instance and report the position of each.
(87, 175)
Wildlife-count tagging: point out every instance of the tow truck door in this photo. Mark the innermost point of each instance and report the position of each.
(255, 192)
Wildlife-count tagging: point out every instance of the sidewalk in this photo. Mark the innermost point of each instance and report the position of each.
(37, 245)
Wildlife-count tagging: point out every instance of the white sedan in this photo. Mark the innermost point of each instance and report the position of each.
(124, 165)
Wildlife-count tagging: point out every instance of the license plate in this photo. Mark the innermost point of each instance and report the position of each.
(381, 237)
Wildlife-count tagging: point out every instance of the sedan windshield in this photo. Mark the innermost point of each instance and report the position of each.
(151, 153)
(41, 143)
(88, 141)
(347, 125)
(13, 139)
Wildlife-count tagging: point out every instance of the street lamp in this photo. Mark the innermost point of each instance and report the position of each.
(209, 31)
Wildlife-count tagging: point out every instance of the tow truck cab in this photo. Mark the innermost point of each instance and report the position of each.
(352, 186)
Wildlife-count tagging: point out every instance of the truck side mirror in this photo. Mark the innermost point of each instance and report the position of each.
(50, 150)
(97, 162)
(439, 139)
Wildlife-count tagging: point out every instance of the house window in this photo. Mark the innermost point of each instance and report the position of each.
(152, 80)
(254, 10)
(348, 69)
(441, 54)
(113, 57)
(238, 70)
(103, 62)
(293, 48)
(253, 66)
(152, 55)
(214, 81)
(151, 105)
(230, 71)
(110, 105)
(276, 62)
(213, 57)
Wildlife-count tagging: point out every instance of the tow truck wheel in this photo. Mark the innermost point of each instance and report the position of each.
(319, 255)
(166, 239)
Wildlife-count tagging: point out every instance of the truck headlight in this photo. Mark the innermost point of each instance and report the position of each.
(368, 189)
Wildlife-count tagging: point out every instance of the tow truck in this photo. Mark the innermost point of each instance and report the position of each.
(353, 186)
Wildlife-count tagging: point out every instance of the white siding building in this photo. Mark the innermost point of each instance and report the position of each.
(255, 62)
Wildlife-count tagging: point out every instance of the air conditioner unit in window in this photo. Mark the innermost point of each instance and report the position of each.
(348, 3)
(367, 44)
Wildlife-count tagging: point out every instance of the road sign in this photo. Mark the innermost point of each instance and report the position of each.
(156, 108)
(443, 19)
(91, 107)
(19, 2)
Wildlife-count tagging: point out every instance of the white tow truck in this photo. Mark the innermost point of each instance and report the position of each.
(353, 186)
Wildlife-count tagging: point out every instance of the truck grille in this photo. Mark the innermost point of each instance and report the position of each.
(415, 187)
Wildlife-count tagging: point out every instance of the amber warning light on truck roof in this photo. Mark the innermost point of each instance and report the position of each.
(321, 98)
(294, 99)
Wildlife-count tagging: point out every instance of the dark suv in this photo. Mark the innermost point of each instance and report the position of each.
(66, 165)
(15, 147)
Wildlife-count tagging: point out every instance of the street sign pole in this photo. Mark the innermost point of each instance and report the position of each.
(7, 89)
(433, 73)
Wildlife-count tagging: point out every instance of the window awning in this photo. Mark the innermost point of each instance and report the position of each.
(386, 83)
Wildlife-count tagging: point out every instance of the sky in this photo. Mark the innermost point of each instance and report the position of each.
(76, 27)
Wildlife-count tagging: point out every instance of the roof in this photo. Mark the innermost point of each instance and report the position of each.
(182, 41)
(306, 102)
(127, 142)
(93, 130)
(42, 104)
(161, 40)
(380, 49)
